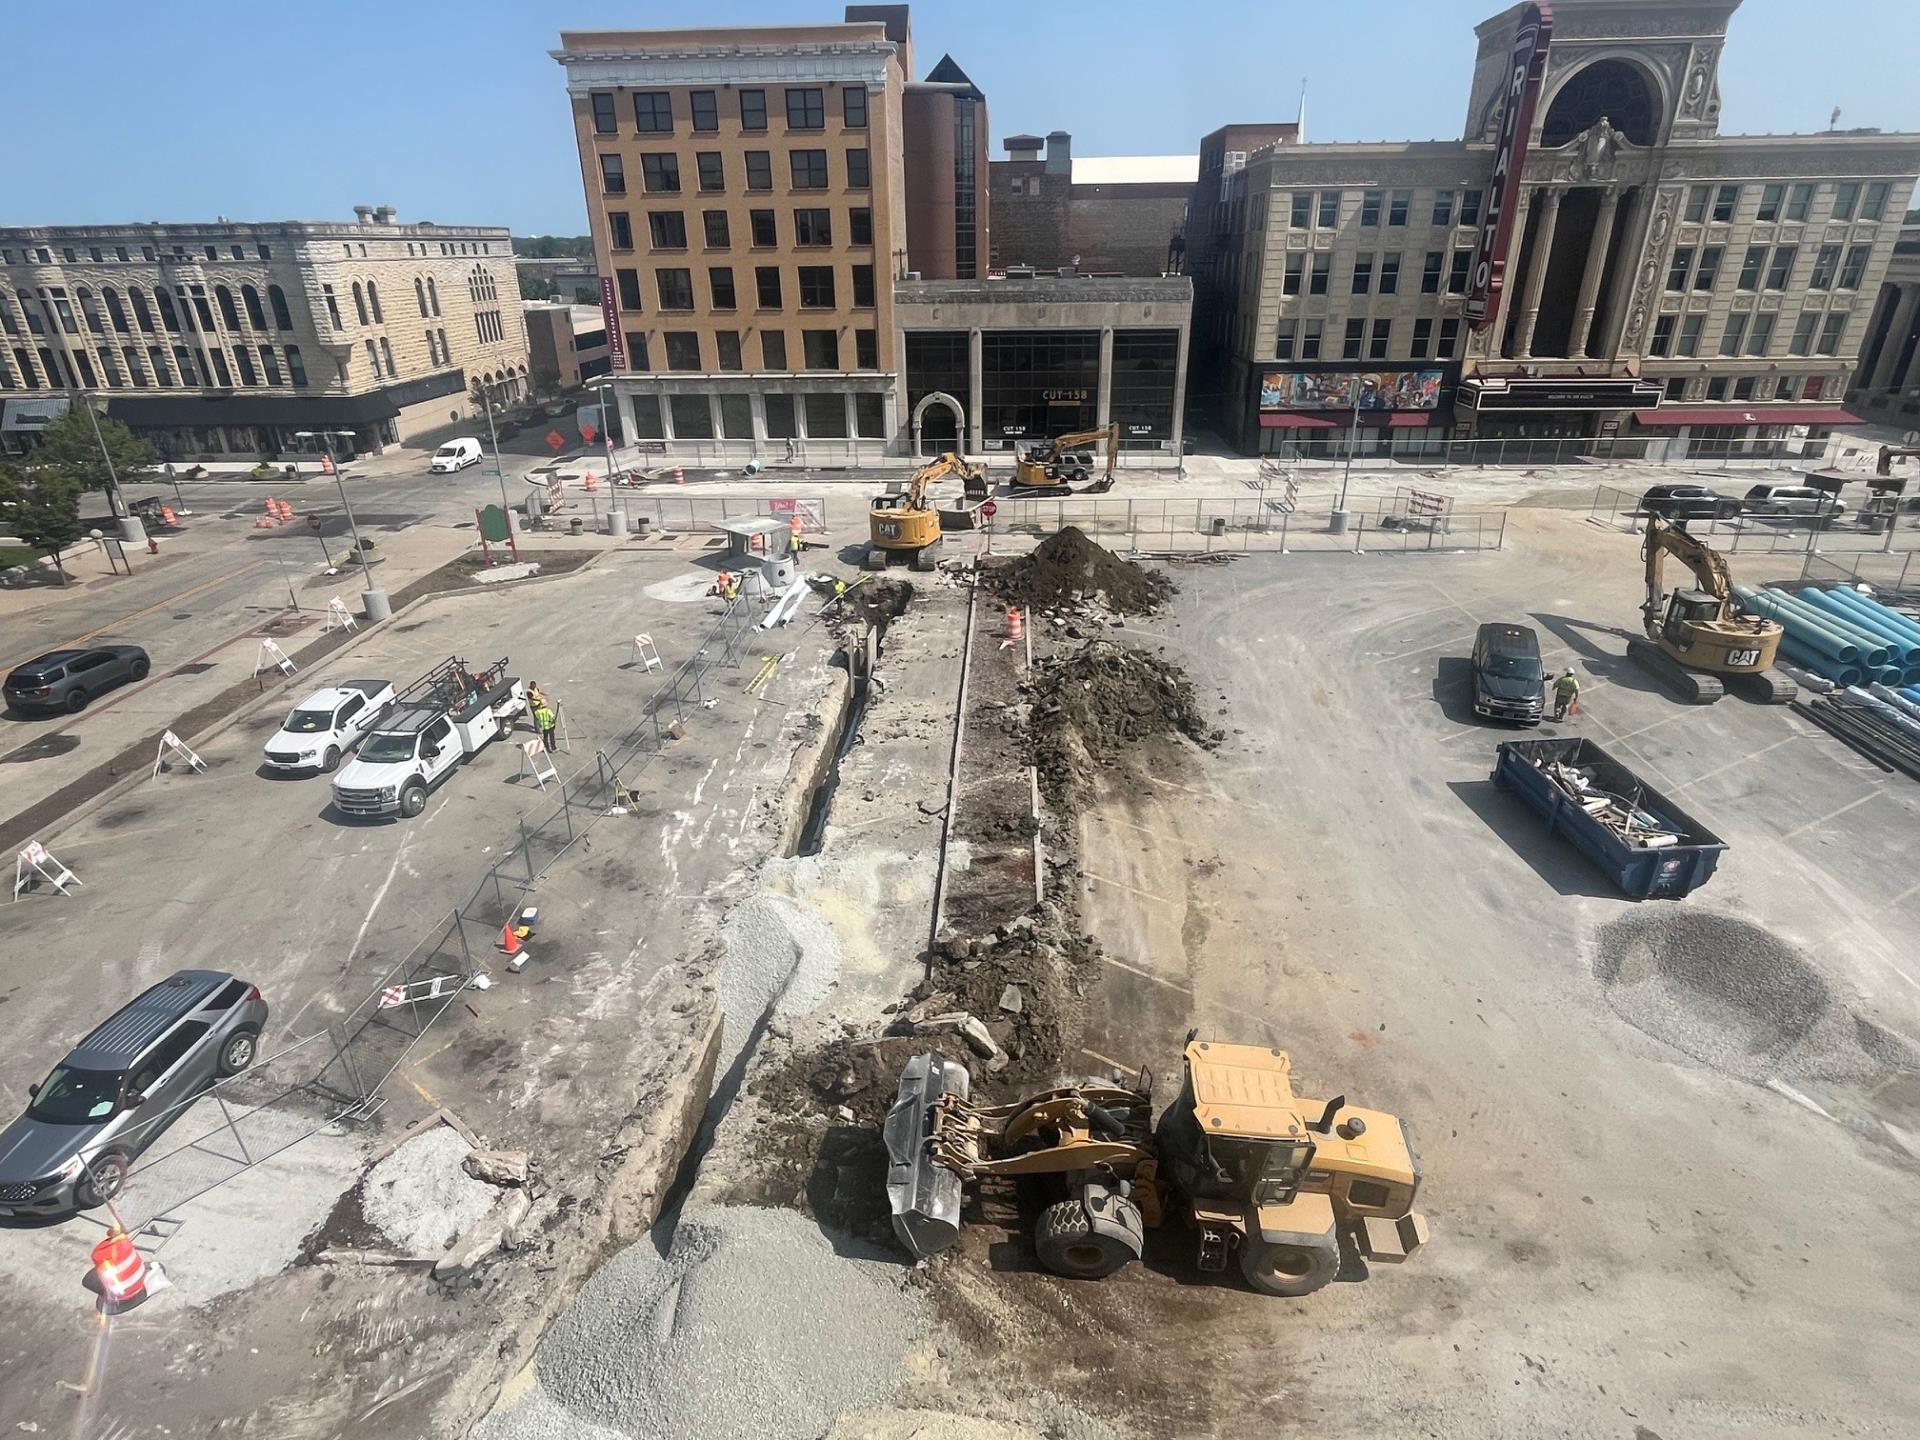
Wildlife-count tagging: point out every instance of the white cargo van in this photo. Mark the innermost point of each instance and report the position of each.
(456, 455)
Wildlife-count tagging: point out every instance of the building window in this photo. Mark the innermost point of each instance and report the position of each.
(1760, 338)
(766, 283)
(1363, 273)
(773, 356)
(1875, 207)
(1743, 388)
(1708, 270)
(270, 364)
(1717, 388)
(806, 109)
(863, 296)
(713, 175)
(162, 374)
(727, 343)
(1750, 268)
(1830, 333)
(826, 416)
(1322, 272)
(605, 122)
(613, 175)
(1681, 265)
(660, 174)
(386, 356)
(1802, 341)
(683, 353)
(866, 349)
(870, 416)
(860, 226)
(1781, 267)
(1390, 274)
(676, 288)
(1300, 214)
(816, 288)
(809, 169)
(1457, 272)
(1329, 209)
(764, 235)
(620, 230)
(1855, 269)
(637, 360)
(653, 112)
(1662, 342)
(859, 170)
(692, 415)
(433, 296)
(1310, 332)
(1799, 202)
(1783, 389)
(296, 367)
(1379, 340)
(1430, 272)
(853, 106)
(1449, 335)
(1690, 329)
(1770, 198)
(720, 282)
(137, 372)
(759, 170)
(1815, 387)
(628, 282)
(1369, 207)
(1825, 261)
(277, 298)
(1422, 339)
(182, 358)
(715, 224)
(812, 227)
(1845, 197)
(1676, 389)
(1470, 207)
(667, 229)
(1443, 209)
(1286, 339)
(1725, 200)
(1290, 280)
(706, 110)
(1697, 197)
(420, 293)
(118, 316)
(1731, 337)
(1397, 206)
(753, 109)
(1355, 338)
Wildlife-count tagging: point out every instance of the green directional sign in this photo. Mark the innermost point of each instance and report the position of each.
(493, 523)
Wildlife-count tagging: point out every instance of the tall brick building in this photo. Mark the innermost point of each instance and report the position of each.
(1104, 215)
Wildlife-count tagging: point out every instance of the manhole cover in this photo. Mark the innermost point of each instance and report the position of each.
(40, 749)
(199, 668)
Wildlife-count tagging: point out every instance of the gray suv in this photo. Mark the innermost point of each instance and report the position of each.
(68, 679)
(122, 1086)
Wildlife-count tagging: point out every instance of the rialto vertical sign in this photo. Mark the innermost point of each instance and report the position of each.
(610, 312)
(1526, 64)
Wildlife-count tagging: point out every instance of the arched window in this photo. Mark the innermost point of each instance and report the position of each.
(373, 299)
(360, 302)
(277, 298)
(386, 356)
(228, 313)
(141, 314)
(473, 286)
(165, 302)
(250, 297)
(115, 311)
(433, 295)
(420, 296)
(1619, 90)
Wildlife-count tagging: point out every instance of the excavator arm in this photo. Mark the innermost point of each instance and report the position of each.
(1708, 566)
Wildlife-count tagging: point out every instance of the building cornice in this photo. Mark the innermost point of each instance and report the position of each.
(848, 62)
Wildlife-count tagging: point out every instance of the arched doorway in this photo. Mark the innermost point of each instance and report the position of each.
(941, 430)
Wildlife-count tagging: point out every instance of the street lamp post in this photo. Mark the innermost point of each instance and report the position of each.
(493, 435)
(373, 600)
(130, 528)
(1337, 521)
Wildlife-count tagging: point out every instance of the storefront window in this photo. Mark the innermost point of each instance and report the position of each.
(1038, 383)
(1144, 365)
(826, 417)
(692, 417)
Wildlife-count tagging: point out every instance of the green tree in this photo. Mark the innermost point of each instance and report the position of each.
(42, 508)
(534, 285)
(70, 447)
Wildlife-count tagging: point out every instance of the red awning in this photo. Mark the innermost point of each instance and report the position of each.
(1404, 419)
(1746, 415)
(1298, 420)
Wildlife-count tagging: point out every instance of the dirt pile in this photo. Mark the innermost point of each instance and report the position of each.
(1068, 568)
(1088, 706)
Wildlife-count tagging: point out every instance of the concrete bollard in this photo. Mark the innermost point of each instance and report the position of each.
(374, 605)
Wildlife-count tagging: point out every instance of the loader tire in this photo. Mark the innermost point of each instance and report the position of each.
(1289, 1270)
(1067, 1244)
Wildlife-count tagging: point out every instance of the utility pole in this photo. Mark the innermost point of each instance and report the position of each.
(1337, 521)
(372, 598)
(493, 435)
(606, 428)
(114, 500)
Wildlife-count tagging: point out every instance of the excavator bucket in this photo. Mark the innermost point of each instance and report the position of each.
(924, 1194)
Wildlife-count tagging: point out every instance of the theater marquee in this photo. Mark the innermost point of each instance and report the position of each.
(1527, 63)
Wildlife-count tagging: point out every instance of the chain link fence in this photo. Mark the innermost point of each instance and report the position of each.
(1737, 531)
(1892, 574)
(1398, 522)
(1413, 447)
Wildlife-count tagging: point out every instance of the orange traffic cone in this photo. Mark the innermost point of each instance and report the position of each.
(509, 942)
(679, 476)
(1015, 627)
(119, 1272)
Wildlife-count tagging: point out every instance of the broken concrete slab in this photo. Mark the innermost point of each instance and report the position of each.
(1011, 1001)
(499, 1167)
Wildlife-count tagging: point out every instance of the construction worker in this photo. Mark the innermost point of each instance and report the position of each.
(544, 716)
(839, 589)
(721, 584)
(794, 543)
(1566, 694)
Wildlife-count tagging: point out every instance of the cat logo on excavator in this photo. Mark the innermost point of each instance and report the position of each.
(1257, 1178)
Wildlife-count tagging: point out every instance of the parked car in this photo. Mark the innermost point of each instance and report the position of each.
(1688, 502)
(1795, 500)
(327, 724)
(68, 679)
(121, 1087)
(455, 455)
(507, 429)
(1509, 682)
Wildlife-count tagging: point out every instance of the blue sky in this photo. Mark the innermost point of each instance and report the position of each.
(284, 110)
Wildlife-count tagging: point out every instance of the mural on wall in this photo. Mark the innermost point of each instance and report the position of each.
(1336, 389)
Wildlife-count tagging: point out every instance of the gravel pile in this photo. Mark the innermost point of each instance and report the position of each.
(780, 956)
(420, 1198)
(752, 1327)
(1068, 567)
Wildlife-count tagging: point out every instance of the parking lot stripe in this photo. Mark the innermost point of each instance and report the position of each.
(1736, 764)
(1147, 975)
(1834, 815)
(1122, 885)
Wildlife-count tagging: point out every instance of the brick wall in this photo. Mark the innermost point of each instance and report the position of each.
(1121, 229)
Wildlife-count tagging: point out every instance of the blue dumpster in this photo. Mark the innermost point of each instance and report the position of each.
(1665, 871)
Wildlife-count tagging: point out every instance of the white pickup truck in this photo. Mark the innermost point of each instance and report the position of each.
(321, 729)
(441, 720)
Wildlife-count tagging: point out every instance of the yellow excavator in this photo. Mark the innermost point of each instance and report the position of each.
(905, 523)
(1054, 467)
(1258, 1177)
(1697, 638)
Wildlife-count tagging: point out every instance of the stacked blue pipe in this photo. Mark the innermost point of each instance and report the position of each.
(1902, 641)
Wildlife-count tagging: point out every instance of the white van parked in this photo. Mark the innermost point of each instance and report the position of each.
(456, 455)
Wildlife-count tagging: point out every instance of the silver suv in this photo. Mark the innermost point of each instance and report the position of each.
(122, 1086)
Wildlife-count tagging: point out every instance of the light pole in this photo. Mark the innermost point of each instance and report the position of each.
(130, 528)
(372, 599)
(1337, 521)
(493, 434)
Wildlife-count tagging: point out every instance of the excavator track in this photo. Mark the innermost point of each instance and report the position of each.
(1764, 687)
(1690, 687)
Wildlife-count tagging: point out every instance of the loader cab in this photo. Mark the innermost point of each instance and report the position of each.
(1687, 609)
(1234, 1134)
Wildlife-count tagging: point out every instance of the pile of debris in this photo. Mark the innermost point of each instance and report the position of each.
(1622, 814)
(1088, 706)
(1069, 570)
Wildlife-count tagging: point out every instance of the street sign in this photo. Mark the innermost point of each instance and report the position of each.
(989, 510)
(555, 440)
(313, 523)
(587, 432)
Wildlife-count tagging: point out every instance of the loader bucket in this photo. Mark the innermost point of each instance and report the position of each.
(924, 1194)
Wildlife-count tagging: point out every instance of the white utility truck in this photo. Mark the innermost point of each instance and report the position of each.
(437, 723)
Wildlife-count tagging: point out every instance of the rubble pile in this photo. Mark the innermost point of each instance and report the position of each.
(1088, 706)
(1068, 570)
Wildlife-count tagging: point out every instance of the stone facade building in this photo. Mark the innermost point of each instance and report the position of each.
(220, 340)
(1656, 287)
(1886, 383)
(1103, 215)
